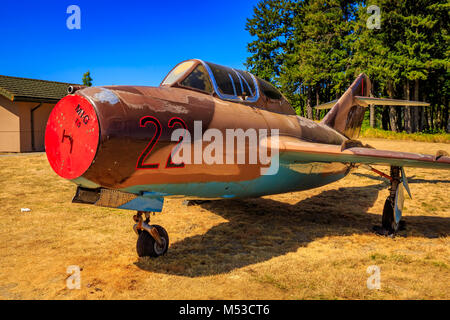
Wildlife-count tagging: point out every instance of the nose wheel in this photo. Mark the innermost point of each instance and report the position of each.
(153, 240)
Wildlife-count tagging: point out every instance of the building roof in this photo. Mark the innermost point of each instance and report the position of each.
(23, 89)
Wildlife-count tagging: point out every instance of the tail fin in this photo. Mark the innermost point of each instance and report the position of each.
(347, 113)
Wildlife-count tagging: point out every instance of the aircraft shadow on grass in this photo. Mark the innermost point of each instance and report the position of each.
(260, 229)
(411, 179)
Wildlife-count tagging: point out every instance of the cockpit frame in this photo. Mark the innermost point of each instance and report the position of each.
(238, 73)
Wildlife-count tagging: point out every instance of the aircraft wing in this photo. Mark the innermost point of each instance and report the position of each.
(293, 150)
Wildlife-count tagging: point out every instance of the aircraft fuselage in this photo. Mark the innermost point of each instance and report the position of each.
(120, 138)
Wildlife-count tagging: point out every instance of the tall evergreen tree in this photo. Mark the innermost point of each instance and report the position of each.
(313, 49)
(271, 24)
(371, 54)
(319, 53)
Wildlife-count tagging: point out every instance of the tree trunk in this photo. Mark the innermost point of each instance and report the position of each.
(372, 115)
(385, 118)
(317, 112)
(400, 126)
(425, 115)
(309, 110)
(302, 102)
(446, 124)
(431, 110)
(408, 122)
(392, 110)
(415, 110)
(439, 117)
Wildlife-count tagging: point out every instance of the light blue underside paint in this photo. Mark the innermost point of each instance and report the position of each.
(85, 183)
(144, 204)
(285, 180)
(289, 178)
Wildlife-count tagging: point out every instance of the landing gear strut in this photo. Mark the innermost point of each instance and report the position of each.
(153, 240)
(393, 206)
(388, 221)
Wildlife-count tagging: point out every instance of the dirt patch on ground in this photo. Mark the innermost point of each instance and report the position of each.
(316, 244)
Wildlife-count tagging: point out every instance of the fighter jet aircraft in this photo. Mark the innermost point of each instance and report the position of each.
(212, 132)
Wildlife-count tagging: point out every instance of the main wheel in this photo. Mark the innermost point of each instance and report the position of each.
(146, 246)
(388, 219)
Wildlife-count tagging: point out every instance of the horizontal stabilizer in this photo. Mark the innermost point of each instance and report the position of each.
(366, 101)
(327, 105)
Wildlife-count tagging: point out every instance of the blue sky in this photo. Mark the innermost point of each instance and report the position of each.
(124, 42)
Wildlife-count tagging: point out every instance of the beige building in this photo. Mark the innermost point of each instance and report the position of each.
(25, 105)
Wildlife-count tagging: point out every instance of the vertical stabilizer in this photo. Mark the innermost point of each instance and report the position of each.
(346, 116)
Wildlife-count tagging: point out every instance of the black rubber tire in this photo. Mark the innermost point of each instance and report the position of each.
(388, 219)
(146, 246)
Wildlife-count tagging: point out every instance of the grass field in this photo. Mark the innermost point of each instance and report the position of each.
(316, 244)
(376, 133)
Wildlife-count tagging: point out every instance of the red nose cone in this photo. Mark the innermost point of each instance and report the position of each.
(71, 136)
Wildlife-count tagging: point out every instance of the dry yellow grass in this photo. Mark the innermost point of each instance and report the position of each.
(305, 245)
(375, 133)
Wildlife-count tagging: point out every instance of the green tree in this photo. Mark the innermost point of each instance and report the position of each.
(87, 80)
(313, 49)
(271, 24)
(319, 57)
(414, 33)
(373, 54)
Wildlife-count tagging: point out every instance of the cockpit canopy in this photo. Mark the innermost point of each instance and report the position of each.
(227, 83)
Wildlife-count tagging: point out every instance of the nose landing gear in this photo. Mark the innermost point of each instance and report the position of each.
(153, 240)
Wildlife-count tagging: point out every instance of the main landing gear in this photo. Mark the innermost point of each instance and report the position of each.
(153, 240)
(389, 221)
(393, 206)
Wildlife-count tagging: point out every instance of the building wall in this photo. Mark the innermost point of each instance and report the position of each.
(25, 125)
(40, 117)
(9, 126)
(15, 125)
